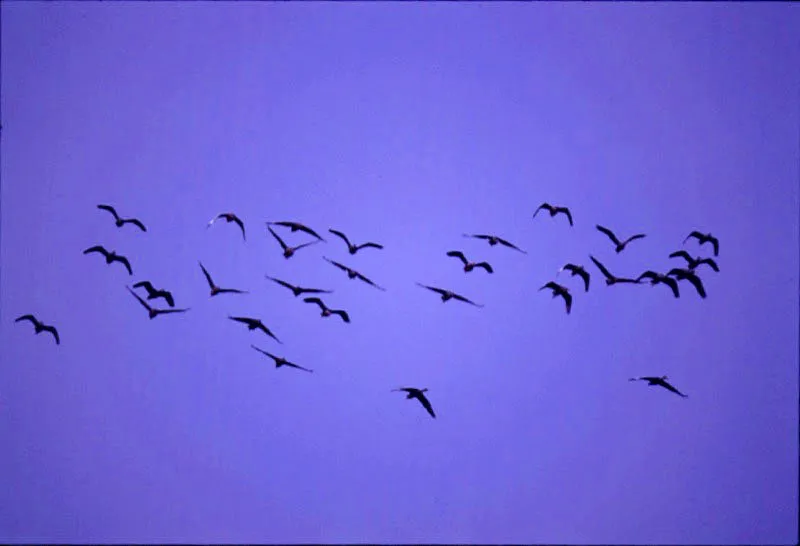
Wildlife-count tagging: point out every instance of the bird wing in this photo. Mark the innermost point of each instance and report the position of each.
(269, 332)
(30, 318)
(306, 229)
(696, 234)
(368, 245)
(280, 241)
(567, 299)
(647, 275)
(214, 219)
(476, 236)
(135, 295)
(337, 264)
(315, 300)
(465, 300)
(167, 296)
(673, 284)
(207, 275)
(244, 320)
(566, 211)
(425, 403)
(232, 291)
(342, 235)
(666, 385)
(262, 351)
(124, 261)
(509, 245)
(682, 254)
(315, 291)
(135, 222)
(368, 281)
(552, 285)
(342, 313)
(609, 233)
(110, 209)
(545, 206)
(634, 237)
(53, 331)
(167, 311)
(280, 282)
(147, 285)
(298, 247)
(433, 288)
(458, 254)
(698, 284)
(602, 268)
(585, 276)
(486, 266)
(239, 223)
(293, 365)
(711, 263)
(96, 248)
(715, 242)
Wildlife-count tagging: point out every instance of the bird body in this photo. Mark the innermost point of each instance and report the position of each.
(412, 392)
(40, 327)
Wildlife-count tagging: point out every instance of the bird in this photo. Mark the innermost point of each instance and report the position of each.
(288, 251)
(296, 226)
(448, 295)
(554, 210)
(40, 327)
(659, 381)
(122, 221)
(703, 238)
(694, 263)
(110, 257)
(228, 217)
(562, 291)
(469, 266)
(620, 246)
(611, 279)
(493, 240)
(326, 311)
(658, 278)
(153, 313)
(688, 275)
(256, 324)
(350, 246)
(577, 270)
(281, 361)
(216, 289)
(353, 274)
(297, 290)
(419, 395)
(152, 293)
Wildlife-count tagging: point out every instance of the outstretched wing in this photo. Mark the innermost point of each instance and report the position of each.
(110, 209)
(167, 296)
(369, 281)
(425, 403)
(433, 288)
(567, 299)
(466, 300)
(337, 264)
(682, 254)
(262, 351)
(486, 266)
(698, 284)
(509, 245)
(710, 262)
(30, 318)
(280, 241)
(669, 387)
(207, 276)
(458, 254)
(342, 236)
(135, 295)
(293, 365)
(696, 234)
(243, 320)
(647, 275)
(168, 311)
(545, 206)
(53, 331)
(565, 211)
(124, 261)
(369, 245)
(609, 233)
(715, 242)
(551, 285)
(342, 313)
(231, 291)
(282, 283)
(317, 301)
(269, 333)
(634, 237)
(135, 222)
(239, 223)
(96, 248)
(585, 276)
(477, 236)
(602, 268)
(147, 285)
(673, 284)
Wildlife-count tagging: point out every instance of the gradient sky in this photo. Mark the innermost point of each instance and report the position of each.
(406, 124)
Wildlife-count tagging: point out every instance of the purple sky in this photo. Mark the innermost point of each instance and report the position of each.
(406, 124)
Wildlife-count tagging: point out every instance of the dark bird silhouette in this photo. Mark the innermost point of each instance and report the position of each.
(658, 278)
(554, 210)
(152, 293)
(110, 257)
(353, 274)
(40, 327)
(620, 246)
(411, 392)
(448, 295)
(350, 246)
(562, 291)
(256, 324)
(469, 266)
(611, 279)
(694, 263)
(688, 275)
(703, 238)
(280, 361)
(577, 270)
(216, 289)
(122, 221)
(297, 290)
(153, 313)
(296, 226)
(494, 240)
(228, 217)
(659, 381)
(326, 311)
(288, 251)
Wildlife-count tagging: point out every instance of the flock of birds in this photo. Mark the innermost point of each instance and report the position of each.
(670, 279)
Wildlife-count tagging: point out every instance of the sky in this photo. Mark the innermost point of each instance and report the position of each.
(406, 124)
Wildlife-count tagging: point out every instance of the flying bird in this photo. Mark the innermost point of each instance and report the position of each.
(411, 392)
(554, 210)
(659, 381)
(353, 274)
(228, 217)
(110, 257)
(216, 289)
(326, 311)
(153, 313)
(122, 221)
(288, 251)
(297, 290)
(620, 246)
(40, 327)
(577, 270)
(448, 295)
(350, 246)
(494, 240)
(703, 238)
(611, 279)
(296, 226)
(255, 324)
(469, 266)
(658, 278)
(694, 263)
(152, 293)
(688, 275)
(562, 291)
(280, 361)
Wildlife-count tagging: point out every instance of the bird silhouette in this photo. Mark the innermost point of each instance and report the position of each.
(703, 238)
(611, 279)
(152, 293)
(296, 226)
(577, 270)
(122, 221)
(448, 295)
(412, 392)
(255, 324)
(554, 210)
(694, 263)
(469, 266)
(353, 274)
(659, 381)
(288, 251)
(688, 275)
(326, 311)
(40, 327)
(228, 217)
(620, 245)
(562, 291)
(152, 312)
(216, 289)
(110, 257)
(658, 278)
(350, 246)
(281, 361)
(298, 290)
(494, 240)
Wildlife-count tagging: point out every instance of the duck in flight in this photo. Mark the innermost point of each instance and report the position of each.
(350, 246)
(658, 278)
(255, 324)
(122, 221)
(688, 275)
(554, 210)
(298, 290)
(449, 295)
(494, 240)
(577, 270)
(611, 279)
(288, 251)
(353, 274)
(703, 238)
(228, 217)
(562, 291)
(153, 313)
(694, 263)
(216, 289)
(326, 311)
(659, 381)
(110, 257)
(412, 392)
(40, 327)
(469, 266)
(619, 245)
(297, 226)
(152, 293)
(280, 361)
